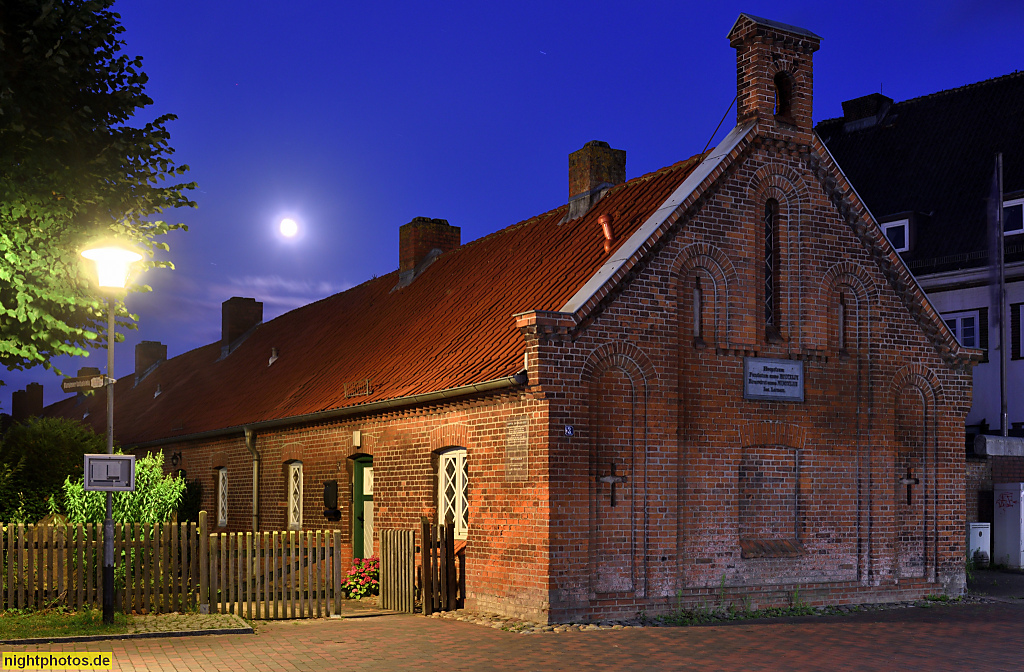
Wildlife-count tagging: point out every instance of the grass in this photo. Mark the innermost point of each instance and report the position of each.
(18, 624)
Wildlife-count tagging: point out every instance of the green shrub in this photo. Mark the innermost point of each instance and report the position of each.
(155, 499)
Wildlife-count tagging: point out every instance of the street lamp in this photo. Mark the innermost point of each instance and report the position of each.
(113, 262)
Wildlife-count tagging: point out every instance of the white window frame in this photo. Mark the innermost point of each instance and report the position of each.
(453, 462)
(954, 321)
(293, 485)
(222, 497)
(1016, 202)
(905, 223)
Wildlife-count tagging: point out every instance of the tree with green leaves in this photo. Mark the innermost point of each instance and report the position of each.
(74, 167)
(35, 459)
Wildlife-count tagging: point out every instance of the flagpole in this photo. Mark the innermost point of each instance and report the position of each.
(1002, 300)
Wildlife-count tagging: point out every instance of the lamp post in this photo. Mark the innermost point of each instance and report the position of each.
(113, 262)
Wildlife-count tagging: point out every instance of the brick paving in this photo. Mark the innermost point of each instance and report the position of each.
(954, 637)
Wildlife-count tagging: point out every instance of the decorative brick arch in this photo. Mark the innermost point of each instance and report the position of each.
(711, 264)
(781, 182)
(618, 353)
(916, 398)
(617, 378)
(292, 452)
(449, 435)
(861, 287)
(789, 189)
(921, 377)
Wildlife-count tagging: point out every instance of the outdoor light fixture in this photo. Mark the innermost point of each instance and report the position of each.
(113, 263)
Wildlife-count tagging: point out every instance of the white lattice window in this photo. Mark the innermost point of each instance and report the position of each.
(294, 495)
(222, 497)
(454, 490)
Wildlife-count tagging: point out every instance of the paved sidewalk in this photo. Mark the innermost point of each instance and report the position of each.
(1000, 584)
(159, 625)
(943, 637)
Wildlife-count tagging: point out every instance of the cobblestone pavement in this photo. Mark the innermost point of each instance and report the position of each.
(942, 637)
(170, 623)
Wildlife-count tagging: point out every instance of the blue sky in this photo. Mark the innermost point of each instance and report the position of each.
(353, 118)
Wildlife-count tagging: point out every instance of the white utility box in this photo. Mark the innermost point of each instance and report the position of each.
(979, 537)
(1008, 528)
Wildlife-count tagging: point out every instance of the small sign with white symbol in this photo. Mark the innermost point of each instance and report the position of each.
(569, 431)
(110, 473)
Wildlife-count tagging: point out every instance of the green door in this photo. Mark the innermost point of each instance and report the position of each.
(362, 507)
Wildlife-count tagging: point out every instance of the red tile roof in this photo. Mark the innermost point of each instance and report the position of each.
(453, 326)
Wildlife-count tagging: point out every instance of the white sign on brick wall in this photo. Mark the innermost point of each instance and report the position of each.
(773, 379)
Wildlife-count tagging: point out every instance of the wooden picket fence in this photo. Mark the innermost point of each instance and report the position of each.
(174, 567)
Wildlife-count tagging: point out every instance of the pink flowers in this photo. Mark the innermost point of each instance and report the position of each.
(362, 579)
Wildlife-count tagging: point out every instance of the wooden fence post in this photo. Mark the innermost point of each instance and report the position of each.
(336, 567)
(426, 575)
(451, 599)
(204, 565)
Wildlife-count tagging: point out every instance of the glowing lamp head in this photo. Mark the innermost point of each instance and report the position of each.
(112, 264)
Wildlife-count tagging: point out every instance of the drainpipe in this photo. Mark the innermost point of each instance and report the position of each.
(250, 443)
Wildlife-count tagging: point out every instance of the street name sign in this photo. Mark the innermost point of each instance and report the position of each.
(109, 473)
(81, 383)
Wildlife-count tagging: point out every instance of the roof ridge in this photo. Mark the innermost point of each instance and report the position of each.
(936, 94)
(678, 165)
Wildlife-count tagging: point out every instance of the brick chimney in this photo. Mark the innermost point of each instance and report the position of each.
(27, 403)
(147, 355)
(420, 242)
(593, 169)
(238, 316)
(865, 111)
(774, 76)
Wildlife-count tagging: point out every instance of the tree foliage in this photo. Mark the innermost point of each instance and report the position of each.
(73, 168)
(154, 500)
(35, 458)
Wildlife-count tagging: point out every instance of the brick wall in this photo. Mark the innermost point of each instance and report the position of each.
(883, 403)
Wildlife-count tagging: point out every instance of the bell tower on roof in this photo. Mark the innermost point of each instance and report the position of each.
(774, 76)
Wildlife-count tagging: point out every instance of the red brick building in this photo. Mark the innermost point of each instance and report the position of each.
(719, 376)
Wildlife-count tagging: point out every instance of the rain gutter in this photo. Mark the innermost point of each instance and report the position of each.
(372, 407)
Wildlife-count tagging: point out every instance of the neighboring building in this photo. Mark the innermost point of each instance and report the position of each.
(924, 168)
(717, 378)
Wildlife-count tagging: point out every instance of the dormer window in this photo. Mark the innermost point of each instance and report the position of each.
(1013, 216)
(898, 233)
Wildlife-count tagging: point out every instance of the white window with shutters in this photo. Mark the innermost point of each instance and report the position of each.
(453, 497)
(222, 497)
(294, 495)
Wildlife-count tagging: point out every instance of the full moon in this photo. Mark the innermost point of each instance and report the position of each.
(289, 228)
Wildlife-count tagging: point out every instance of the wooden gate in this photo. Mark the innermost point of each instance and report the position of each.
(398, 570)
(442, 589)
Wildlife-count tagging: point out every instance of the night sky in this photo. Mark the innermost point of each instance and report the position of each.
(353, 118)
